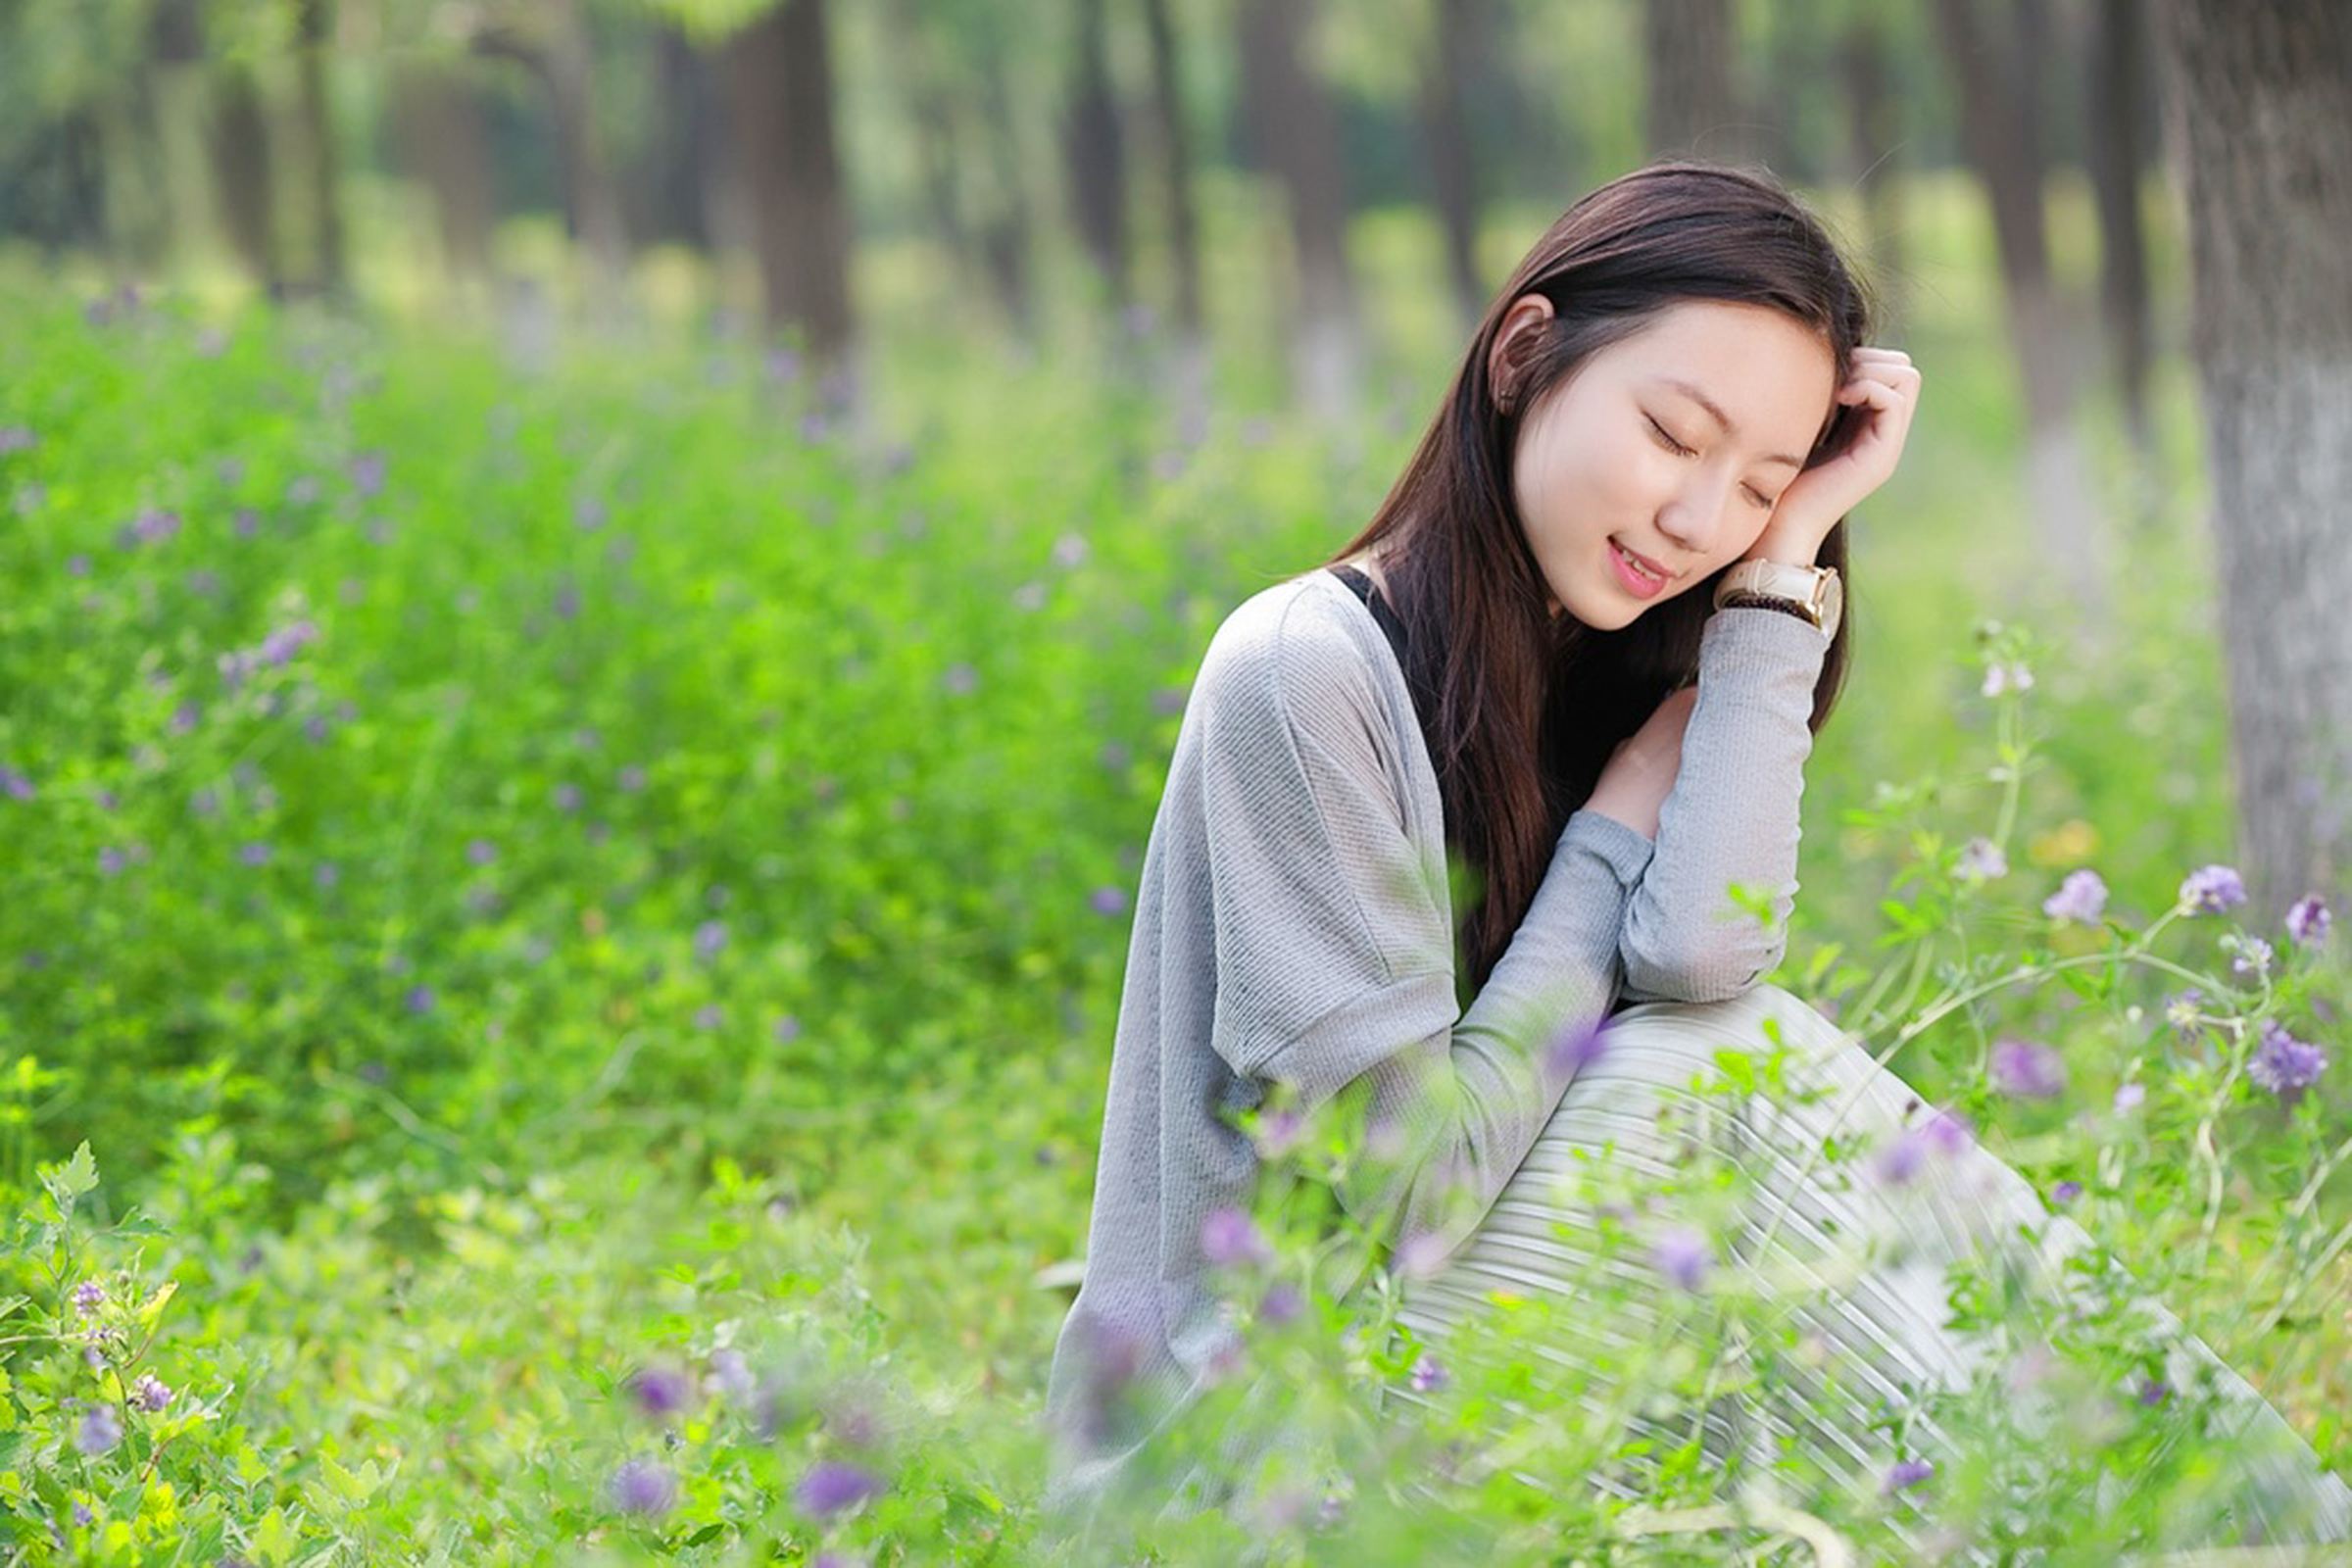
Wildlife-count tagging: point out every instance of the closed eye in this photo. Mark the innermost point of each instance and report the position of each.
(1682, 451)
(1672, 445)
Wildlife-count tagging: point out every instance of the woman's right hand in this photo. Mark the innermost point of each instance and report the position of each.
(1640, 773)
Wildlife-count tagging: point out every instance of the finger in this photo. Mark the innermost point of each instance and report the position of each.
(1867, 351)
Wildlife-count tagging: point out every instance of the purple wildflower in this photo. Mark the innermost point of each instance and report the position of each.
(281, 645)
(1429, 1373)
(2127, 1097)
(567, 797)
(368, 473)
(1907, 1473)
(16, 438)
(480, 852)
(110, 861)
(1281, 1303)
(78, 565)
(2154, 1391)
(831, 1486)
(644, 1486)
(327, 875)
(631, 778)
(1229, 1238)
(710, 1016)
(82, 1514)
(16, 784)
(730, 1375)
(1683, 1254)
(420, 998)
(1278, 1132)
(1070, 550)
(1108, 900)
(588, 513)
(2180, 1009)
(2283, 1064)
(1577, 1046)
(661, 1392)
(185, 717)
(2080, 897)
(1981, 862)
(788, 1029)
(710, 940)
(2307, 920)
(254, 854)
(150, 1393)
(2253, 957)
(960, 679)
(2027, 1068)
(89, 1295)
(2211, 888)
(2066, 1192)
(100, 1430)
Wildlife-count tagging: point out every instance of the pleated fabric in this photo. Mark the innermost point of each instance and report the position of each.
(1869, 1257)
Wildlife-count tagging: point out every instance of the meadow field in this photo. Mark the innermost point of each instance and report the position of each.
(563, 916)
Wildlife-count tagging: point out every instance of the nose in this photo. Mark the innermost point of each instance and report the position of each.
(1697, 518)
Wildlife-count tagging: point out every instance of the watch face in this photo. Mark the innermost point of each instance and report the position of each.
(1833, 602)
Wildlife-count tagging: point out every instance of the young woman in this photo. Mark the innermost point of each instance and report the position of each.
(1581, 652)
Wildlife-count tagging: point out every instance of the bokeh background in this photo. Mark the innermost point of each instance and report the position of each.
(598, 593)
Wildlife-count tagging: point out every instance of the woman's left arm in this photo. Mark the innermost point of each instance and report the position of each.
(1732, 816)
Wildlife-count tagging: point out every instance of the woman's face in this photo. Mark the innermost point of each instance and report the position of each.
(1620, 455)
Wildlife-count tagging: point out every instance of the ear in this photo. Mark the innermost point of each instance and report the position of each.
(1515, 340)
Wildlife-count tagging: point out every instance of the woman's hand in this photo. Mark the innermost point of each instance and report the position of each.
(1885, 383)
(1640, 773)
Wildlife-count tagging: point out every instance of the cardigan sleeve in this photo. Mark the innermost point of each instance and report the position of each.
(1732, 816)
(1334, 943)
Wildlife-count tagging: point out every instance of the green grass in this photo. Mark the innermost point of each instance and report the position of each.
(892, 716)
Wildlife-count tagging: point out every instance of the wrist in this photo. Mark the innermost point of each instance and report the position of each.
(1790, 550)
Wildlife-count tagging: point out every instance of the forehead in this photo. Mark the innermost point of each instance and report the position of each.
(1750, 354)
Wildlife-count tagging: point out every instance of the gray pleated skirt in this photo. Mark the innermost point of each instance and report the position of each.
(1869, 1255)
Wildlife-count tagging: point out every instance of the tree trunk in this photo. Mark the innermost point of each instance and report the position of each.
(1874, 130)
(2119, 88)
(1691, 106)
(314, 102)
(1005, 229)
(782, 91)
(591, 198)
(1998, 87)
(2258, 116)
(437, 124)
(1189, 374)
(1455, 62)
(1097, 160)
(1294, 130)
(682, 139)
(238, 139)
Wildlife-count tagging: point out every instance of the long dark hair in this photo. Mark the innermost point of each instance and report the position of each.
(1524, 708)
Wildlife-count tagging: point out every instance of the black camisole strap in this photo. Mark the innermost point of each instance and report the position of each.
(1388, 623)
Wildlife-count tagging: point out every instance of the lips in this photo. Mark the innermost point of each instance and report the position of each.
(1646, 563)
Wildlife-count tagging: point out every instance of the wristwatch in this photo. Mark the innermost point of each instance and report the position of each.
(1812, 593)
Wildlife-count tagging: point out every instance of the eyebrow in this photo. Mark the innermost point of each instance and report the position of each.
(1709, 403)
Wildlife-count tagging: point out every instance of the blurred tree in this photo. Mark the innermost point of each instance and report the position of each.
(1693, 105)
(1999, 73)
(1292, 131)
(238, 138)
(1873, 135)
(321, 159)
(2117, 104)
(2258, 117)
(1191, 363)
(1459, 67)
(440, 138)
(552, 41)
(1095, 152)
(780, 93)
